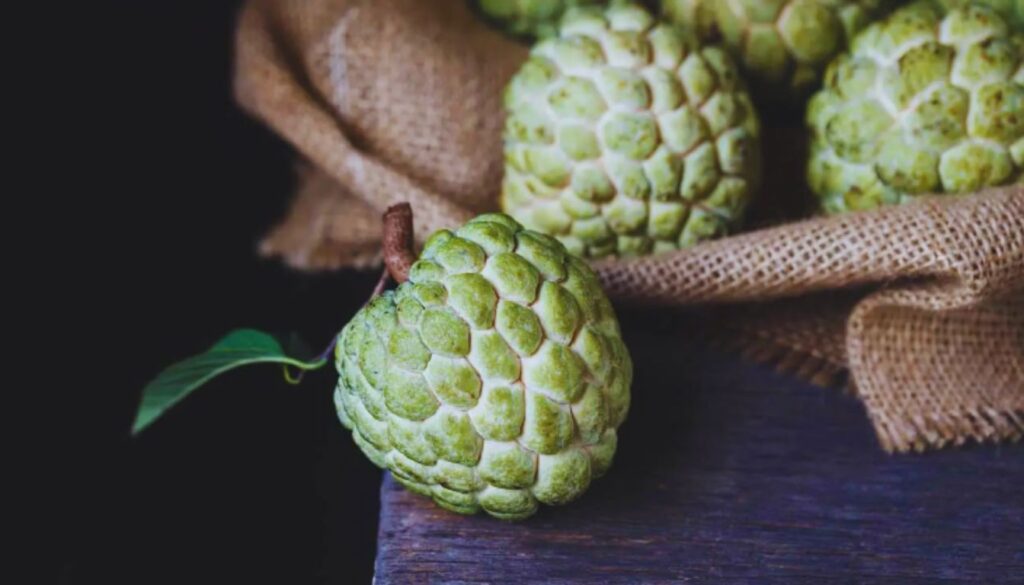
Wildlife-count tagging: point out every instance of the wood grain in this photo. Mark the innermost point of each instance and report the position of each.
(730, 473)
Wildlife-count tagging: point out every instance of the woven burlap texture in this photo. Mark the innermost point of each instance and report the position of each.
(400, 100)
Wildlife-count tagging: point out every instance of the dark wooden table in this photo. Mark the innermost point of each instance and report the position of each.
(730, 473)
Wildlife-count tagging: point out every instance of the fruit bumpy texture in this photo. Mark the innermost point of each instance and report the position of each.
(785, 45)
(532, 18)
(696, 15)
(494, 379)
(625, 136)
(926, 101)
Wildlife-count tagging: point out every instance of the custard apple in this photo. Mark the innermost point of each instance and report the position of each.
(625, 136)
(532, 18)
(927, 100)
(494, 379)
(784, 45)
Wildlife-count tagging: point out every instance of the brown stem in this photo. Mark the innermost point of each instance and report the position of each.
(398, 241)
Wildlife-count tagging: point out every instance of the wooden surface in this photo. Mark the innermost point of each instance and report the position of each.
(730, 473)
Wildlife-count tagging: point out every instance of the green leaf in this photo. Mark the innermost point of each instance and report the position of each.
(238, 348)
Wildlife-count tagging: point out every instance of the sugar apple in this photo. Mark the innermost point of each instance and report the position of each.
(784, 45)
(531, 18)
(626, 136)
(927, 100)
(494, 379)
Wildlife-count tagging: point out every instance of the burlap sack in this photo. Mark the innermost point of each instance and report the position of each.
(400, 100)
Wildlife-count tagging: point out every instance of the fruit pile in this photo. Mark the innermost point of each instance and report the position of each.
(495, 378)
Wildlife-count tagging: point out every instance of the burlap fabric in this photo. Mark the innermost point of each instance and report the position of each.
(400, 100)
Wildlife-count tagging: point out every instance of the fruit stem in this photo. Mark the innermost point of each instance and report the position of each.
(398, 243)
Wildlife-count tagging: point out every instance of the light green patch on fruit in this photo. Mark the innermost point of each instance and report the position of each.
(666, 91)
(578, 208)
(576, 53)
(625, 215)
(370, 428)
(590, 231)
(591, 414)
(563, 477)
(430, 294)
(520, 327)
(493, 358)
(683, 129)
(473, 298)
(583, 284)
(529, 124)
(700, 173)
(578, 142)
(456, 477)
(407, 395)
(435, 242)
(544, 252)
(666, 220)
(593, 350)
(729, 198)
(493, 237)
(444, 332)
(633, 135)
(407, 351)
(766, 53)
(455, 501)
(664, 170)
(628, 246)
(372, 453)
(535, 74)
(907, 168)
(698, 79)
(971, 21)
(627, 49)
(507, 465)
(918, 69)
(507, 504)
(451, 434)
(669, 46)
(602, 454)
(971, 166)
(629, 178)
(409, 438)
(625, 88)
(372, 359)
(939, 121)
(853, 132)
(589, 183)
(701, 226)
(558, 312)
(555, 369)
(576, 98)
(514, 277)
(500, 412)
(998, 112)
(992, 61)
(424, 271)
(458, 256)
(548, 427)
(722, 111)
(851, 77)
(811, 30)
(549, 165)
(736, 151)
(407, 307)
(453, 381)
(409, 468)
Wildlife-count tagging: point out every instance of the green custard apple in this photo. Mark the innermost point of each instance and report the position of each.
(625, 136)
(928, 100)
(785, 45)
(530, 18)
(494, 379)
(696, 15)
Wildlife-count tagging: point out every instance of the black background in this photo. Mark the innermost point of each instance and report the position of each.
(163, 188)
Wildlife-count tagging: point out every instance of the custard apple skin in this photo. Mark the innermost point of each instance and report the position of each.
(785, 45)
(695, 15)
(926, 101)
(530, 18)
(625, 136)
(494, 378)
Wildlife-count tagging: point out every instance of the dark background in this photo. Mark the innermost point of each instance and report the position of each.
(159, 217)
